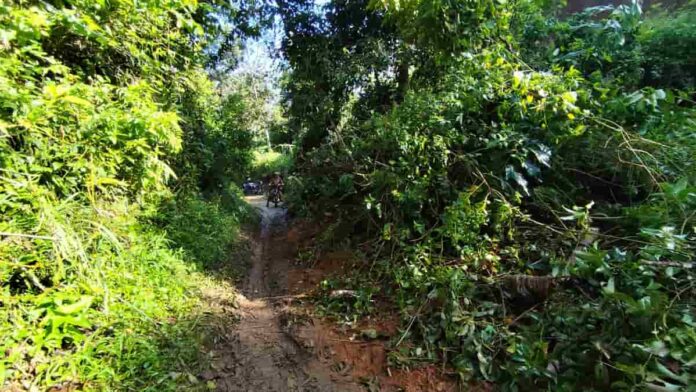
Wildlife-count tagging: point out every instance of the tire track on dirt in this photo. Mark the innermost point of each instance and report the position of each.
(265, 358)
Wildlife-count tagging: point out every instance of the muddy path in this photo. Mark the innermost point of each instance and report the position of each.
(262, 355)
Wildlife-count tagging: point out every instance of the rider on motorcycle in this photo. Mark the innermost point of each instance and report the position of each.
(276, 181)
(275, 184)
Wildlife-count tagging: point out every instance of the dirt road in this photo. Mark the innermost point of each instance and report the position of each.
(266, 358)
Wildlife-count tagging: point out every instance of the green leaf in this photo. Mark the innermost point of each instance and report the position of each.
(83, 303)
(609, 287)
(511, 173)
(76, 100)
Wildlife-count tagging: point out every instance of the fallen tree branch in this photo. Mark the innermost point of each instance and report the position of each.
(679, 264)
(343, 294)
(410, 324)
(296, 296)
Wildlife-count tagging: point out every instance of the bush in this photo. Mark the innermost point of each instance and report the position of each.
(204, 230)
(92, 113)
(528, 203)
(668, 40)
(269, 162)
(115, 310)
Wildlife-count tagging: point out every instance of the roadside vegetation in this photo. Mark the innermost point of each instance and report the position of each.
(271, 162)
(118, 162)
(519, 182)
(516, 182)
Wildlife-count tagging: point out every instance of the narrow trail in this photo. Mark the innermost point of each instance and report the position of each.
(266, 358)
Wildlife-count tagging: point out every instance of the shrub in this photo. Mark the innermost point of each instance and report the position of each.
(91, 297)
(527, 203)
(269, 162)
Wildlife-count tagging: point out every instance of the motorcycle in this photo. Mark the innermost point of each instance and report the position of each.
(251, 188)
(274, 196)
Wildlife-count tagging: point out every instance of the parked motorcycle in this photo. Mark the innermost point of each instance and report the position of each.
(251, 187)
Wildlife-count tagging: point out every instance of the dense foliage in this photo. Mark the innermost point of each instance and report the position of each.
(520, 182)
(269, 162)
(111, 134)
(524, 182)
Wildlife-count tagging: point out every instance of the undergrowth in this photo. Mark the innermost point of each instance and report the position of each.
(110, 134)
(520, 183)
(204, 227)
(127, 313)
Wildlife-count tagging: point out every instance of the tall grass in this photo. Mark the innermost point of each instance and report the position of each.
(99, 278)
(124, 316)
